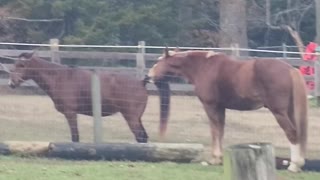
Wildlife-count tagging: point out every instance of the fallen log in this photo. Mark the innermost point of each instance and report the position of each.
(4, 149)
(151, 152)
(24, 148)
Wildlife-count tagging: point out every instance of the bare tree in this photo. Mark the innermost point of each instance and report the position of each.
(288, 19)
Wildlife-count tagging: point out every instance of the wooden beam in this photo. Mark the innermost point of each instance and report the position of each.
(88, 55)
(151, 152)
(30, 148)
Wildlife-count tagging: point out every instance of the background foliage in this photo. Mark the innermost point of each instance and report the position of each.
(125, 22)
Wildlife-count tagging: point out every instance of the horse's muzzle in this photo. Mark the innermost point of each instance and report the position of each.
(12, 84)
(148, 79)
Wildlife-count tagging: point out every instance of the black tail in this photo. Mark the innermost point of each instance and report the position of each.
(164, 94)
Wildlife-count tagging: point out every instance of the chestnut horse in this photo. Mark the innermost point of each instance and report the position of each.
(224, 83)
(70, 90)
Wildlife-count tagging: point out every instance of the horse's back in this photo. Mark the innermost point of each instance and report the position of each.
(252, 82)
(117, 91)
(273, 74)
(275, 82)
(123, 92)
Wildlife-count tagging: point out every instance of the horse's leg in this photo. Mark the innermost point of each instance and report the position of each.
(217, 122)
(134, 122)
(73, 125)
(297, 156)
(290, 130)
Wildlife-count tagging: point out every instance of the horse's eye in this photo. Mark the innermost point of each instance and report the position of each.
(20, 65)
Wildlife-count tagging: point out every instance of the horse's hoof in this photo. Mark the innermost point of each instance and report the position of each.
(294, 167)
(215, 161)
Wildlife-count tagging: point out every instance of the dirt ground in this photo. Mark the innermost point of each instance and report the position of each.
(34, 118)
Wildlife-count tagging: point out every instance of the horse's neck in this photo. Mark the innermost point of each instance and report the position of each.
(193, 69)
(45, 78)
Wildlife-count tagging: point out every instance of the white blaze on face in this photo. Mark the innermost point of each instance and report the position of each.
(151, 73)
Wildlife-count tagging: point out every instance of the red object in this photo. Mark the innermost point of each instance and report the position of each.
(309, 70)
(311, 48)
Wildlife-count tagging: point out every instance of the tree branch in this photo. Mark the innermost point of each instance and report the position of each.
(268, 18)
(296, 37)
(30, 20)
(303, 13)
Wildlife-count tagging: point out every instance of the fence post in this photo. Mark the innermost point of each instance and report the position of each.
(284, 50)
(317, 81)
(235, 49)
(96, 106)
(254, 161)
(141, 65)
(54, 48)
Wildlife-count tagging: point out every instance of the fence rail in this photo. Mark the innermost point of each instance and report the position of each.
(140, 57)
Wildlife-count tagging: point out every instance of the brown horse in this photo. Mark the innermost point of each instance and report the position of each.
(223, 83)
(70, 90)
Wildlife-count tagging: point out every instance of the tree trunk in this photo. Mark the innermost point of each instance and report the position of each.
(233, 24)
(317, 21)
(297, 39)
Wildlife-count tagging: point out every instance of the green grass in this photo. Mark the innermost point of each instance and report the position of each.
(16, 168)
(313, 102)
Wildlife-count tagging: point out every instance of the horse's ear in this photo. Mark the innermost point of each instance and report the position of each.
(166, 52)
(26, 56)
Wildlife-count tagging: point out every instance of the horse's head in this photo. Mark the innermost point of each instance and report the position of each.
(21, 70)
(169, 64)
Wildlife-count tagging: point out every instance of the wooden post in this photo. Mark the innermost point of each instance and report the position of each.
(317, 81)
(141, 65)
(235, 49)
(96, 106)
(284, 50)
(254, 161)
(54, 48)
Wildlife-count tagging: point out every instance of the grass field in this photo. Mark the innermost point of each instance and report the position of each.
(15, 168)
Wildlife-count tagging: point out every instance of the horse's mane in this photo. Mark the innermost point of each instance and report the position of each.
(30, 56)
(26, 55)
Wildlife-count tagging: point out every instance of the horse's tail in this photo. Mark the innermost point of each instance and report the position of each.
(164, 94)
(300, 108)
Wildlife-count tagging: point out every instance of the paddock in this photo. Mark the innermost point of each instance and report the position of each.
(32, 117)
(28, 115)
